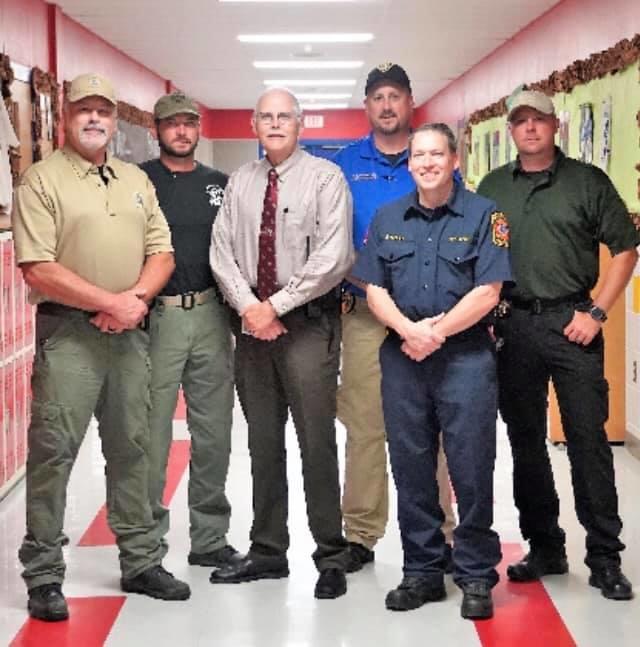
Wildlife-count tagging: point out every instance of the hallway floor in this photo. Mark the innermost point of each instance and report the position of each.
(283, 613)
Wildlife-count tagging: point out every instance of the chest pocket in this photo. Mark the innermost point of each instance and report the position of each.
(456, 268)
(399, 258)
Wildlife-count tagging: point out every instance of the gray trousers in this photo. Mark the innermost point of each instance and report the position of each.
(78, 371)
(193, 348)
(296, 372)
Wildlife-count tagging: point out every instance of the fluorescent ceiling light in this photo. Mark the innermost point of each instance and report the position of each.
(307, 65)
(305, 38)
(324, 106)
(323, 95)
(310, 83)
(287, 0)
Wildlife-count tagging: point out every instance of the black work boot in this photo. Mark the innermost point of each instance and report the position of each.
(476, 601)
(46, 602)
(611, 582)
(156, 582)
(413, 592)
(359, 555)
(225, 556)
(536, 564)
(331, 584)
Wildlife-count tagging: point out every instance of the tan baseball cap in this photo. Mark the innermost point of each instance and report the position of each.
(175, 103)
(91, 85)
(530, 99)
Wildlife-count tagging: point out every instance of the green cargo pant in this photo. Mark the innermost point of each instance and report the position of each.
(79, 371)
(193, 348)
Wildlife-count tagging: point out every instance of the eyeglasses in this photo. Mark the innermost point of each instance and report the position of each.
(268, 118)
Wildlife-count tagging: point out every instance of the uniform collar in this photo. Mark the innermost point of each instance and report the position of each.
(516, 167)
(454, 205)
(83, 166)
(368, 150)
(285, 167)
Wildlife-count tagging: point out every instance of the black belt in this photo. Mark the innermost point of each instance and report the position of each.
(61, 310)
(536, 306)
(325, 303)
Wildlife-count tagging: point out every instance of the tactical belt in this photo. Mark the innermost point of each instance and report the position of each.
(187, 300)
(60, 310)
(536, 306)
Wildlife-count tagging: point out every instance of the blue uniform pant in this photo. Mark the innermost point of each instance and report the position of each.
(454, 390)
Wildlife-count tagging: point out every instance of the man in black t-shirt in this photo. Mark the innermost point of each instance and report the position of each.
(190, 337)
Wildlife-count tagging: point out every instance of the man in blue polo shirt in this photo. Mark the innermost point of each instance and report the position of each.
(376, 170)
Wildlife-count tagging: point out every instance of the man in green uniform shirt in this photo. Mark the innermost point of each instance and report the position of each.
(559, 210)
(94, 247)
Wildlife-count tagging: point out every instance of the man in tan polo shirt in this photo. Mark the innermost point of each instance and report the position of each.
(94, 247)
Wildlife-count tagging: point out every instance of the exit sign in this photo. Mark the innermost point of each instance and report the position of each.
(314, 121)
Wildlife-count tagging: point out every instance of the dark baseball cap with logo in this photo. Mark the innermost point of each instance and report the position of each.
(387, 73)
(176, 103)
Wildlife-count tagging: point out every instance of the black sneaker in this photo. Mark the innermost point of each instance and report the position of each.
(536, 564)
(413, 592)
(476, 602)
(331, 584)
(224, 556)
(359, 555)
(46, 602)
(156, 582)
(611, 582)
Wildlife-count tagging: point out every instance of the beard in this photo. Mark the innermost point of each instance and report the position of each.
(94, 139)
(167, 149)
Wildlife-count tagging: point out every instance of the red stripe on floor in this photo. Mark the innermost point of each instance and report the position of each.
(99, 533)
(89, 624)
(525, 615)
(181, 408)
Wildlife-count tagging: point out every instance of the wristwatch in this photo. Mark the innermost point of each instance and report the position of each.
(598, 313)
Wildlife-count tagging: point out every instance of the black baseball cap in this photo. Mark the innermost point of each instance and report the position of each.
(387, 72)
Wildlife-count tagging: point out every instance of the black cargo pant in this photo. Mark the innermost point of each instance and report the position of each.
(536, 350)
(296, 372)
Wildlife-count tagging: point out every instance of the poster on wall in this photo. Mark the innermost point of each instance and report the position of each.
(563, 131)
(487, 152)
(507, 144)
(476, 157)
(495, 150)
(586, 133)
(605, 138)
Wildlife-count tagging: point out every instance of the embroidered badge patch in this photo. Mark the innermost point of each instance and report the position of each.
(393, 237)
(138, 199)
(499, 229)
(215, 193)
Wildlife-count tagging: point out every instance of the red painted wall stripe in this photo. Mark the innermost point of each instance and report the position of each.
(89, 624)
(99, 533)
(524, 613)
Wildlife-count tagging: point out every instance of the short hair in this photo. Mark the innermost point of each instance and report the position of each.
(437, 127)
(296, 104)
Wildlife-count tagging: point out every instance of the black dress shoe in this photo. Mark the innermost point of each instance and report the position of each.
(359, 555)
(156, 582)
(412, 593)
(47, 602)
(535, 564)
(331, 584)
(476, 600)
(251, 567)
(611, 582)
(227, 555)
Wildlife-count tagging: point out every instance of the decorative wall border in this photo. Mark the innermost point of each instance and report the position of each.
(609, 61)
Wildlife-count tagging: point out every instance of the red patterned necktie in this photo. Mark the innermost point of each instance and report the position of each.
(267, 272)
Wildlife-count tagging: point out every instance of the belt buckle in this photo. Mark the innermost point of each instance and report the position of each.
(188, 300)
(536, 307)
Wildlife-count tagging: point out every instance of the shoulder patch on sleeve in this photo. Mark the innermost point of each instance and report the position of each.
(499, 229)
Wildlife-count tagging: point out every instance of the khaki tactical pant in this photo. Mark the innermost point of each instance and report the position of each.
(79, 371)
(365, 506)
(193, 348)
